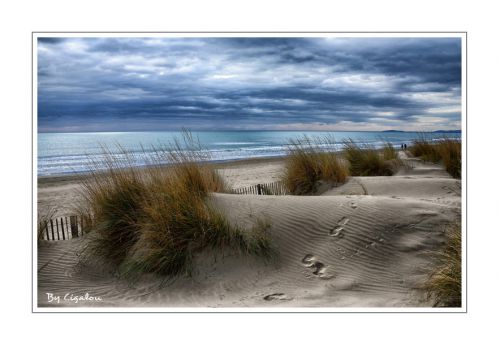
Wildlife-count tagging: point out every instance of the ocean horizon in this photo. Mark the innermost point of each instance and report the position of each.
(71, 152)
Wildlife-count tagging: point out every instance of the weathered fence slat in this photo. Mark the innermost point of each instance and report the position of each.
(78, 221)
(47, 230)
(74, 227)
(52, 229)
(62, 229)
(57, 230)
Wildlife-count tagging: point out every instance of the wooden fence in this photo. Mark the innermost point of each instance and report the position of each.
(274, 188)
(63, 228)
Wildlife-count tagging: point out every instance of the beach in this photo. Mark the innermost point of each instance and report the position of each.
(366, 243)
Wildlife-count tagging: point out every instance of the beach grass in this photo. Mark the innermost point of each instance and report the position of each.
(448, 151)
(389, 152)
(307, 164)
(365, 160)
(155, 219)
(423, 148)
(445, 282)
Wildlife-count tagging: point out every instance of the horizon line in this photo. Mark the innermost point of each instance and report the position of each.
(248, 130)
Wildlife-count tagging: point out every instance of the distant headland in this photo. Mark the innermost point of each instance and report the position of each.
(437, 131)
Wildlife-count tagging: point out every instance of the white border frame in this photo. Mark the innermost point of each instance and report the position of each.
(36, 35)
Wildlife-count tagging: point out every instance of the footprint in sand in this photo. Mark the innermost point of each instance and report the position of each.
(353, 205)
(343, 221)
(322, 272)
(309, 260)
(338, 231)
(319, 268)
(277, 296)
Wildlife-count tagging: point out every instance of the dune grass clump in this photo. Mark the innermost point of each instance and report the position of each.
(389, 152)
(448, 151)
(155, 219)
(307, 164)
(422, 148)
(364, 160)
(445, 282)
(114, 198)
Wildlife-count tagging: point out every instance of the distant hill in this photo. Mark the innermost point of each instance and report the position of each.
(449, 131)
(437, 131)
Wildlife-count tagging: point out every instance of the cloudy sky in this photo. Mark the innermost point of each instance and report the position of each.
(135, 84)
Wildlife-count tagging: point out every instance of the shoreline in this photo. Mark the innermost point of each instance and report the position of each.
(47, 180)
(69, 178)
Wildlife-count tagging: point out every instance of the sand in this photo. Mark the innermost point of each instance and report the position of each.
(367, 243)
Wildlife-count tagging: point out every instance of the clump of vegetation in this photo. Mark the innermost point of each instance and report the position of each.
(155, 219)
(450, 152)
(445, 282)
(447, 150)
(308, 163)
(364, 160)
(389, 152)
(422, 148)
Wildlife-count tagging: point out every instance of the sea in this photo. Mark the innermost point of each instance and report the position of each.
(71, 153)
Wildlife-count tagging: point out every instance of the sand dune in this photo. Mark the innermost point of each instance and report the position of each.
(364, 244)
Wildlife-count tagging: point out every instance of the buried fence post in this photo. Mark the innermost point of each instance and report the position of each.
(259, 189)
(67, 225)
(62, 229)
(57, 230)
(81, 224)
(52, 229)
(74, 227)
(46, 224)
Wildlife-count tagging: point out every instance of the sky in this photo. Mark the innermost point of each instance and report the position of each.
(322, 83)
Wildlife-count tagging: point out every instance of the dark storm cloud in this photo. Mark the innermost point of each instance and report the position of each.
(248, 83)
(50, 40)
